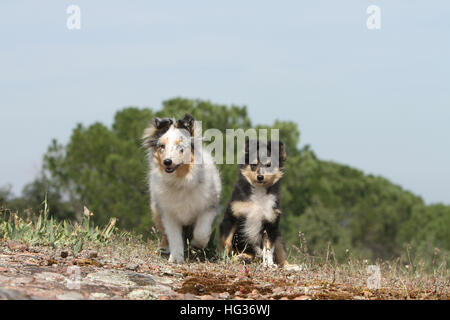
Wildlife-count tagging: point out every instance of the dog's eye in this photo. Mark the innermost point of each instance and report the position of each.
(268, 165)
(181, 150)
(161, 146)
(253, 167)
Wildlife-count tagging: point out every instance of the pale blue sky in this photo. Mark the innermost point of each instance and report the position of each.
(376, 100)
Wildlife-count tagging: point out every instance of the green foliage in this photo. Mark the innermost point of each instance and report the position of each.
(333, 205)
(426, 234)
(33, 194)
(45, 230)
(106, 169)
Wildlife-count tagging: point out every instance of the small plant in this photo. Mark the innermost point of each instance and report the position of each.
(45, 230)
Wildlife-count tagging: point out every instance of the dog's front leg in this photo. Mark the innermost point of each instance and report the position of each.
(202, 229)
(175, 236)
(268, 250)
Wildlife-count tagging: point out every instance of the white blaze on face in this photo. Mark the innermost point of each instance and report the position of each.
(177, 145)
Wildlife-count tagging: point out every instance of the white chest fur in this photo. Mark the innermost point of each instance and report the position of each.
(260, 210)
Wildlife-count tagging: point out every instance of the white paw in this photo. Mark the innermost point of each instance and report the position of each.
(200, 242)
(176, 258)
(269, 264)
(267, 256)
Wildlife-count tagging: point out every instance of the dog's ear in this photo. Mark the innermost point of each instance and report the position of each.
(157, 128)
(162, 123)
(282, 150)
(157, 122)
(187, 123)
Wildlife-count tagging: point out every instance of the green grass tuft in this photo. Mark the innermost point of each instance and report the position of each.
(44, 230)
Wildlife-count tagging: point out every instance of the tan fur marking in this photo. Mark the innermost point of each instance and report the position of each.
(226, 243)
(241, 208)
(270, 178)
(279, 253)
(184, 169)
(245, 257)
(249, 174)
(158, 159)
(266, 242)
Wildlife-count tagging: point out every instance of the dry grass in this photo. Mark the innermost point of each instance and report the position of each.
(319, 277)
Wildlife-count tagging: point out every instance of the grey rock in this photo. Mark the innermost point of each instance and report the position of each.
(163, 280)
(132, 266)
(141, 294)
(22, 280)
(98, 296)
(224, 295)
(112, 278)
(140, 279)
(49, 276)
(4, 279)
(126, 279)
(9, 294)
(71, 295)
(159, 290)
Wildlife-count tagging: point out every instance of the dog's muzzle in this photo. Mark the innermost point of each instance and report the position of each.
(172, 168)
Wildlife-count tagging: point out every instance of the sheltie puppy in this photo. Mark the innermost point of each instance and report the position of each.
(250, 226)
(183, 192)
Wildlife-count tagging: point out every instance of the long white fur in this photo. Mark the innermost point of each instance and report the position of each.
(260, 210)
(192, 199)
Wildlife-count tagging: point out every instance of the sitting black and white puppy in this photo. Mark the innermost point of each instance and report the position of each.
(250, 226)
(183, 192)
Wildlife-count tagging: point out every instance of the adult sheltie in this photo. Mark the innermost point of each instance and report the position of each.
(184, 190)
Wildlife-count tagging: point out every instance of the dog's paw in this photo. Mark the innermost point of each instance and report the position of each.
(269, 264)
(200, 243)
(267, 257)
(179, 258)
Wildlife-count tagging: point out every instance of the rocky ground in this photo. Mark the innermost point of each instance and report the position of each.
(136, 273)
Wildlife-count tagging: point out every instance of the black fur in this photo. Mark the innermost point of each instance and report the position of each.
(161, 125)
(242, 192)
(187, 123)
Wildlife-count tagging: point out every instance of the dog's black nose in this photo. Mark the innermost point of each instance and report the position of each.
(260, 177)
(167, 162)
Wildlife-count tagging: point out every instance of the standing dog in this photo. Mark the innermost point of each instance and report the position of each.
(183, 193)
(251, 222)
